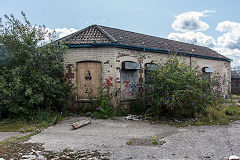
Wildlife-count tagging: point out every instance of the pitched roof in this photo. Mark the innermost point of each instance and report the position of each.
(96, 34)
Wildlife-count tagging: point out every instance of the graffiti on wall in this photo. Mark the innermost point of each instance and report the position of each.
(129, 84)
(109, 82)
(69, 73)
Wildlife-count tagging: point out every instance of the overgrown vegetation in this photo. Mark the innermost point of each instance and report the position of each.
(179, 90)
(137, 106)
(15, 125)
(32, 81)
(102, 105)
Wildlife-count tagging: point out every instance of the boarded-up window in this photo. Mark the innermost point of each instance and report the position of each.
(129, 80)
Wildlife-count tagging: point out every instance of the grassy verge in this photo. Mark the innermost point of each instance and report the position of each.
(221, 115)
(12, 125)
(17, 126)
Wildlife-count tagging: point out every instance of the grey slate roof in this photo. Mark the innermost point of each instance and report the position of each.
(95, 34)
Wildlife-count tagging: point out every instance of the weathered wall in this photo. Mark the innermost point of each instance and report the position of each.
(111, 61)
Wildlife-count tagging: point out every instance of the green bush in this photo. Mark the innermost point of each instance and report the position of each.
(179, 90)
(137, 106)
(121, 111)
(102, 105)
(31, 71)
(232, 110)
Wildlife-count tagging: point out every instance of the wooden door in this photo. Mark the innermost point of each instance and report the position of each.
(88, 79)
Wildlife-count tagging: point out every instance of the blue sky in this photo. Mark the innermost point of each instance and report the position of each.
(211, 23)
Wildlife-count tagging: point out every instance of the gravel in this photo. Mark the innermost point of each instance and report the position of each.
(193, 142)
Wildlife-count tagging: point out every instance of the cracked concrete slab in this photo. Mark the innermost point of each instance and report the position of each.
(193, 142)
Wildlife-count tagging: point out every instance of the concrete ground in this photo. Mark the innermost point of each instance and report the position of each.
(193, 142)
(6, 135)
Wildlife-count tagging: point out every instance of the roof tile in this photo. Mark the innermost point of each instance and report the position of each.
(102, 34)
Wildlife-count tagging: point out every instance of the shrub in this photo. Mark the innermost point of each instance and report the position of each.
(102, 105)
(31, 71)
(137, 106)
(121, 111)
(232, 110)
(178, 90)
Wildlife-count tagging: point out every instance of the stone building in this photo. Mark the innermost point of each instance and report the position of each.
(114, 58)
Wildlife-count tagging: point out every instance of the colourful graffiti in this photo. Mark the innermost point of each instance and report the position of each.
(129, 84)
(129, 89)
(126, 85)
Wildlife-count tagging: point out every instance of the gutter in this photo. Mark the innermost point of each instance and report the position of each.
(145, 49)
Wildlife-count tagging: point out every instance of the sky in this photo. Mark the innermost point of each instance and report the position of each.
(211, 23)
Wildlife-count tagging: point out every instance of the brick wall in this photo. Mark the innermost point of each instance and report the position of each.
(112, 58)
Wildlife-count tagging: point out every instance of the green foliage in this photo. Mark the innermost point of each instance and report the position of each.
(102, 105)
(31, 71)
(156, 140)
(178, 90)
(232, 110)
(137, 106)
(121, 111)
(128, 142)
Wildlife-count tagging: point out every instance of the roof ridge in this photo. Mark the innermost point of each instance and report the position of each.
(106, 34)
(75, 33)
(120, 36)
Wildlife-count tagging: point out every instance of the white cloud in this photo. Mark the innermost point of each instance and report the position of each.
(228, 26)
(62, 32)
(190, 21)
(231, 38)
(59, 32)
(197, 38)
(233, 54)
(190, 25)
(228, 44)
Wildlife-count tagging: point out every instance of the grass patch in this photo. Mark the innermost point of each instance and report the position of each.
(16, 126)
(17, 139)
(13, 125)
(220, 115)
(229, 101)
(232, 110)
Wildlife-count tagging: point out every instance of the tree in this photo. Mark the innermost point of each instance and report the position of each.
(31, 70)
(178, 90)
